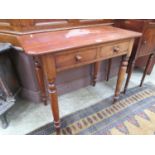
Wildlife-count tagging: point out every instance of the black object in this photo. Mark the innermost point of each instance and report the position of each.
(7, 99)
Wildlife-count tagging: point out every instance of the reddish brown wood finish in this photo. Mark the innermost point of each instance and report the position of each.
(96, 68)
(74, 58)
(143, 46)
(130, 70)
(50, 71)
(66, 49)
(141, 63)
(41, 43)
(119, 48)
(40, 79)
(27, 26)
(87, 46)
(121, 76)
(122, 71)
(11, 28)
(150, 59)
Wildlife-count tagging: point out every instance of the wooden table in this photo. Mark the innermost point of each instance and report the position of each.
(144, 48)
(61, 50)
(143, 53)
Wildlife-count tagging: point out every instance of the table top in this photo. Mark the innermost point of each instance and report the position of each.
(49, 42)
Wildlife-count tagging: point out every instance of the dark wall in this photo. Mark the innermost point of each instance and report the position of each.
(8, 74)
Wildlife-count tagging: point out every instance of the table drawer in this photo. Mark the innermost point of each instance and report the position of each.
(75, 58)
(115, 49)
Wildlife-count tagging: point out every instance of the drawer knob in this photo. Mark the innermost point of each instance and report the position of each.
(78, 58)
(116, 49)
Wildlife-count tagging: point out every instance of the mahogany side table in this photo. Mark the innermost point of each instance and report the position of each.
(61, 50)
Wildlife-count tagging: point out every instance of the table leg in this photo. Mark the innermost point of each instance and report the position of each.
(108, 70)
(150, 59)
(96, 67)
(121, 76)
(40, 79)
(50, 72)
(130, 70)
(151, 66)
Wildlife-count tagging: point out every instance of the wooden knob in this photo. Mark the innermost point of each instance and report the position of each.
(78, 58)
(116, 49)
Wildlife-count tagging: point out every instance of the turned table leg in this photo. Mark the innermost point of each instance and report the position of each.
(150, 59)
(121, 76)
(130, 70)
(96, 67)
(50, 73)
(40, 79)
(108, 69)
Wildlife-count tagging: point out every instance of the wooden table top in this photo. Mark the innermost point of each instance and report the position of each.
(48, 42)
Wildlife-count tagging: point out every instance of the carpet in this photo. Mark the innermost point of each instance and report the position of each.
(132, 114)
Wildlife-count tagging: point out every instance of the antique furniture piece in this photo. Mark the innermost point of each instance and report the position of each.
(66, 49)
(7, 98)
(24, 26)
(143, 47)
(68, 80)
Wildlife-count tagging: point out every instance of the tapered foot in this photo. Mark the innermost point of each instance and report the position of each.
(57, 127)
(115, 99)
(93, 83)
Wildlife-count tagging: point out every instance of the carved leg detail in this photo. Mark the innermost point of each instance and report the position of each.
(40, 78)
(54, 104)
(121, 76)
(108, 70)
(50, 71)
(150, 59)
(96, 67)
(130, 70)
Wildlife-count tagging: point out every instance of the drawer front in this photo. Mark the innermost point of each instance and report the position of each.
(74, 58)
(115, 49)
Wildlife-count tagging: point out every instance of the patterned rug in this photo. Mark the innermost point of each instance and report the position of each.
(134, 113)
